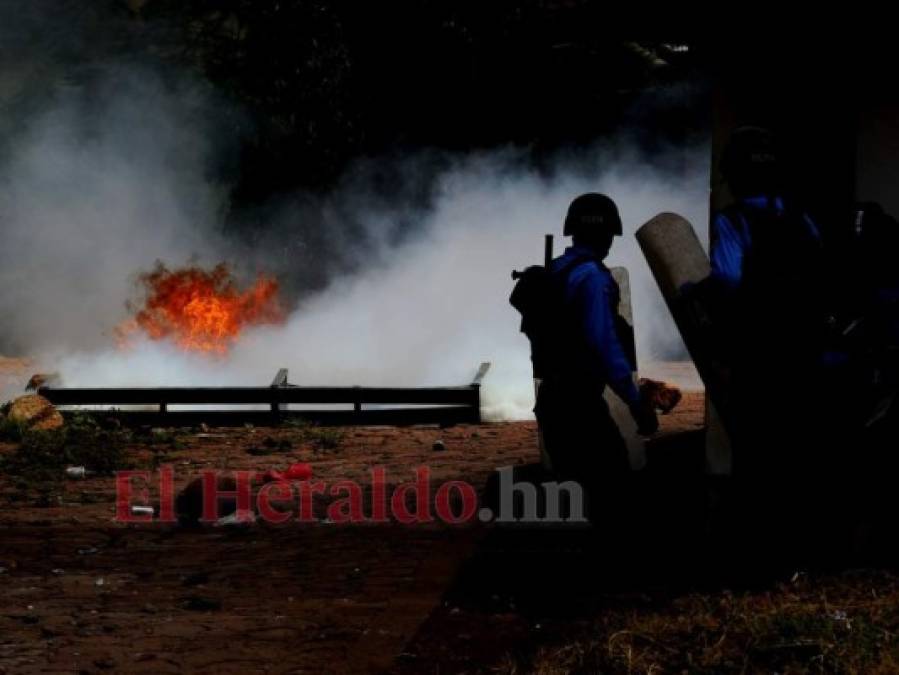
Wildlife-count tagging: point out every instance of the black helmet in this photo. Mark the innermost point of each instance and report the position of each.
(592, 211)
(750, 162)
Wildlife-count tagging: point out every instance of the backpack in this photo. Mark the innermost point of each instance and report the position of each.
(538, 296)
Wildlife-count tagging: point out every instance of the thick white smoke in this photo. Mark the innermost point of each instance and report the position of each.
(93, 193)
(90, 200)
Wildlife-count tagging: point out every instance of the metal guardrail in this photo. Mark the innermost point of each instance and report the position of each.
(369, 405)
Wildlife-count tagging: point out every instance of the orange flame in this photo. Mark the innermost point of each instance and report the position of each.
(201, 310)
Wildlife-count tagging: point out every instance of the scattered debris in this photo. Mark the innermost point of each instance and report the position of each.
(76, 472)
(236, 519)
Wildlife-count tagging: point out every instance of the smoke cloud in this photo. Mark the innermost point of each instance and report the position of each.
(403, 282)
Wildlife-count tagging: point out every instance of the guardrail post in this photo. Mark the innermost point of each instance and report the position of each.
(478, 378)
(279, 382)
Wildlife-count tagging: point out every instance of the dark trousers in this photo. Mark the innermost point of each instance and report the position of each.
(791, 442)
(583, 442)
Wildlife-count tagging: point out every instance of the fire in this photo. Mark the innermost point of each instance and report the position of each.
(201, 310)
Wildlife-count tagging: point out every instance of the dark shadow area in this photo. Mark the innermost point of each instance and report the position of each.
(676, 547)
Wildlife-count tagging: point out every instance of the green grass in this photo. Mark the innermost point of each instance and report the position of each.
(321, 438)
(172, 439)
(43, 455)
(10, 431)
(324, 438)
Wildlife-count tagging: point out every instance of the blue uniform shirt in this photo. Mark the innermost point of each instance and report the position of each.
(589, 295)
(731, 241)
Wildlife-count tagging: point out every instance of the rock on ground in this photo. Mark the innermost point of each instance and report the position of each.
(34, 412)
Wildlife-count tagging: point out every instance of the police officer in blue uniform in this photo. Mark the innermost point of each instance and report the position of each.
(768, 263)
(760, 238)
(593, 351)
(768, 260)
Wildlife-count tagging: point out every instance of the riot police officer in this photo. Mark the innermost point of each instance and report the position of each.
(590, 353)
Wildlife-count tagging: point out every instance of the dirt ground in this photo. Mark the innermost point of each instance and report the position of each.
(81, 592)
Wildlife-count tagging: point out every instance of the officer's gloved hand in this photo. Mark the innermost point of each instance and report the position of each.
(645, 416)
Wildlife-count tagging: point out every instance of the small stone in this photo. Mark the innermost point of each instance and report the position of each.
(439, 446)
(100, 582)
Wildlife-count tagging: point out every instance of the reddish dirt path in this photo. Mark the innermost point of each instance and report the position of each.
(295, 598)
(82, 593)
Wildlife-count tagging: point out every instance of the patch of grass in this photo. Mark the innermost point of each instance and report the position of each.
(42, 456)
(271, 446)
(321, 438)
(840, 625)
(170, 438)
(10, 431)
(277, 445)
(324, 438)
